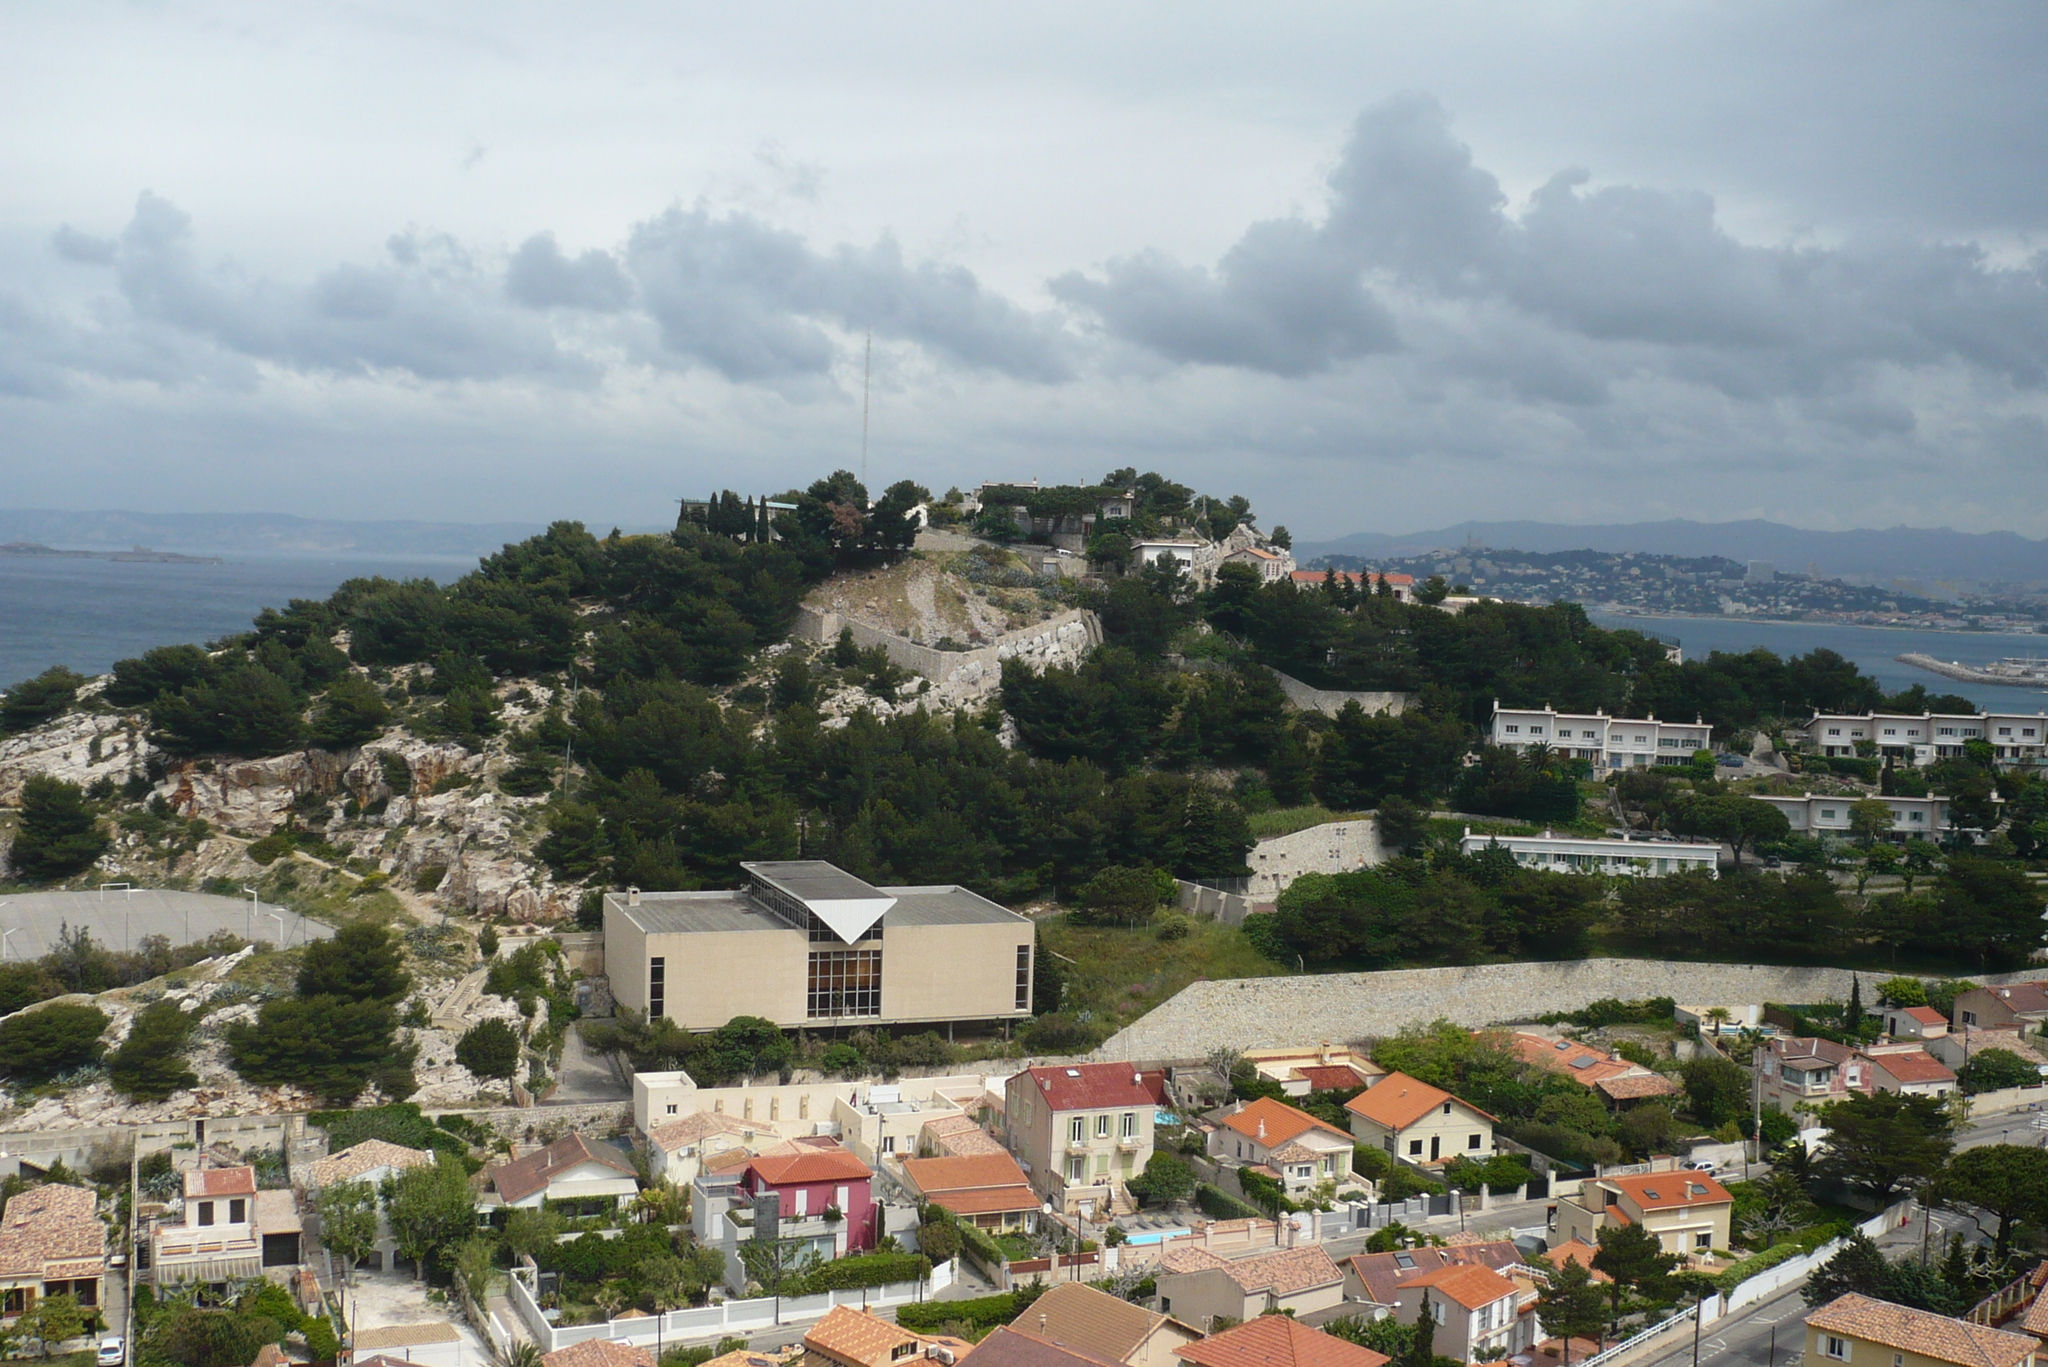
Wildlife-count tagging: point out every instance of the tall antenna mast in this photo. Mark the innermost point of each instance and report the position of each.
(867, 371)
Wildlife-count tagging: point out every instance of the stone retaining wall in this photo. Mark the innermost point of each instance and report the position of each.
(1271, 1013)
(1330, 702)
(1061, 639)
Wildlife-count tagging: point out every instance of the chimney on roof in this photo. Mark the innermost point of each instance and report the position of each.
(632, 897)
(1262, 1129)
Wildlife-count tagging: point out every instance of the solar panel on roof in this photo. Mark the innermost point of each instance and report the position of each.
(1564, 1044)
(1586, 1062)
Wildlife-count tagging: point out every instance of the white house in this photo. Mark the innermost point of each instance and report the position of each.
(2015, 737)
(1273, 565)
(1578, 854)
(1911, 816)
(369, 1162)
(1605, 742)
(587, 1173)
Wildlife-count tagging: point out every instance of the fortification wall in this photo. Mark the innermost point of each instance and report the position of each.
(1336, 847)
(1062, 639)
(1330, 702)
(1254, 1013)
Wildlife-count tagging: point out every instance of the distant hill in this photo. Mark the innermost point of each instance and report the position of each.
(1922, 553)
(255, 533)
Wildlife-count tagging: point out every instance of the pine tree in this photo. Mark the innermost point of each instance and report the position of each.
(1852, 1018)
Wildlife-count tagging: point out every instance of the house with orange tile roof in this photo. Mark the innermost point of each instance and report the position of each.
(1010, 1346)
(1196, 1286)
(955, 1136)
(1689, 1212)
(1476, 1311)
(1914, 1022)
(51, 1242)
(1917, 1073)
(1857, 1331)
(1298, 1149)
(1375, 1278)
(678, 1149)
(989, 1190)
(1418, 1123)
(225, 1231)
(1615, 1078)
(860, 1338)
(1278, 1341)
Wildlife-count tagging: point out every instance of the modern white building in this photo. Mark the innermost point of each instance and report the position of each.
(1829, 815)
(1625, 857)
(2015, 737)
(1606, 742)
(1272, 564)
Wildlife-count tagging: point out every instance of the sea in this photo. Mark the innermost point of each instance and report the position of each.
(1871, 649)
(89, 613)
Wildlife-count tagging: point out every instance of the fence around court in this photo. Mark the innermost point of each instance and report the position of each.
(119, 917)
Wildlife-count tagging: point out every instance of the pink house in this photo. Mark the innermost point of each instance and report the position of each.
(812, 1186)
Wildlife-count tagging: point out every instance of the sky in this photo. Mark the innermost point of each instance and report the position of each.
(1377, 267)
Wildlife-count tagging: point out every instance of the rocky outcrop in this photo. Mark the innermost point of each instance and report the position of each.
(79, 747)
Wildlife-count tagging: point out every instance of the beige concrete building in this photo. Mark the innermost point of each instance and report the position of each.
(1687, 1211)
(1082, 1132)
(1857, 1331)
(1196, 1286)
(1475, 1311)
(1419, 1123)
(878, 1121)
(807, 944)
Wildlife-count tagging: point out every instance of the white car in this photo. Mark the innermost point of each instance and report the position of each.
(113, 1352)
(1701, 1166)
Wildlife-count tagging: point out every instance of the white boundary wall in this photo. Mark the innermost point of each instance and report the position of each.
(713, 1321)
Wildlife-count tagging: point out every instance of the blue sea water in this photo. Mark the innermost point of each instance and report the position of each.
(1871, 649)
(89, 613)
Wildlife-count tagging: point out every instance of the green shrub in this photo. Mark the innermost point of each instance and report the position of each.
(866, 1269)
(429, 877)
(983, 1312)
(271, 848)
(1218, 1204)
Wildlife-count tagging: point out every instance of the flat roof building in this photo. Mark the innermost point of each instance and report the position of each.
(1603, 741)
(1581, 854)
(805, 943)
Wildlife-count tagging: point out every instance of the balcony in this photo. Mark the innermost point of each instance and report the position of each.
(1130, 1143)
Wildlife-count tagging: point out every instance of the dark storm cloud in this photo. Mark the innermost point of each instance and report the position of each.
(74, 245)
(1649, 271)
(540, 277)
(751, 300)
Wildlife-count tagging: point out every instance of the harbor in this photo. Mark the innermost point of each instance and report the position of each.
(2013, 671)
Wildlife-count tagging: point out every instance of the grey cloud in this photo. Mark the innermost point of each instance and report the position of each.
(1278, 302)
(1650, 272)
(751, 301)
(430, 312)
(540, 276)
(74, 245)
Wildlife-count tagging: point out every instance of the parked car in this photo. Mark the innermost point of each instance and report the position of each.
(1732, 761)
(1700, 1165)
(113, 1352)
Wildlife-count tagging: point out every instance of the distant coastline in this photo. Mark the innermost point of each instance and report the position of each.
(1817, 619)
(139, 555)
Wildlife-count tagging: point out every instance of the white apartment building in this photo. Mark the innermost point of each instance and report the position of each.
(1926, 817)
(1606, 742)
(1624, 857)
(2015, 737)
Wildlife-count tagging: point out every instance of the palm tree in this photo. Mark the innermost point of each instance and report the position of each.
(1718, 1016)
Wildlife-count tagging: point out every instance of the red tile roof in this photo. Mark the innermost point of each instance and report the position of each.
(1914, 1067)
(1009, 1346)
(1924, 1333)
(1278, 1341)
(1468, 1284)
(818, 1165)
(1398, 1101)
(1095, 1087)
(1926, 1015)
(220, 1182)
(1668, 1190)
(599, 1353)
(523, 1177)
(1273, 1123)
(1380, 1274)
(1335, 1077)
(1636, 1088)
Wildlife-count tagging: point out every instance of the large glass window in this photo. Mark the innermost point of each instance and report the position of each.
(1023, 977)
(657, 987)
(845, 982)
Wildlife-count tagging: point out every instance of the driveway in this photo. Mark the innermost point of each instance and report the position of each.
(586, 1077)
